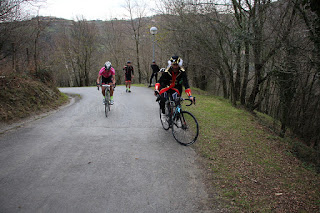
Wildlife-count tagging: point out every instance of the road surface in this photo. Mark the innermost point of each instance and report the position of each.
(77, 160)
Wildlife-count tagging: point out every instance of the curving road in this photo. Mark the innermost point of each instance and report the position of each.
(77, 160)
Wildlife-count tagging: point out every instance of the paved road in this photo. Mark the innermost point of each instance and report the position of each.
(77, 160)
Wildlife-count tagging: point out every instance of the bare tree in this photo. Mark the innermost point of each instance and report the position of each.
(10, 10)
(136, 14)
(78, 46)
(115, 42)
(10, 13)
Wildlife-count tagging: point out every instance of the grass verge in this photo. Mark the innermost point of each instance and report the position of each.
(22, 96)
(252, 168)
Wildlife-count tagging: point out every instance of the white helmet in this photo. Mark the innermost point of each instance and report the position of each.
(107, 65)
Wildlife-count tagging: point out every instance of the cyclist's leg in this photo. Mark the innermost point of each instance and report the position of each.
(163, 99)
(126, 80)
(129, 82)
(103, 90)
(150, 81)
(164, 112)
(174, 95)
(109, 82)
(104, 81)
(111, 90)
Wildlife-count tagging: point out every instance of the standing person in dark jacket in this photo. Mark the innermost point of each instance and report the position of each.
(155, 69)
(171, 81)
(128, 74)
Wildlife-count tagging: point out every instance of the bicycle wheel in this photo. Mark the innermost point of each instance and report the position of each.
(185, 128)
(106, 107)
(164, 119)
(107, 104)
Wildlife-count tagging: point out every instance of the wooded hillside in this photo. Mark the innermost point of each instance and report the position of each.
(262, 55)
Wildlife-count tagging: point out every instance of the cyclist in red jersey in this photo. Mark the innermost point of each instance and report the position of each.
(107, 73)
(172, 80)
(129, 72)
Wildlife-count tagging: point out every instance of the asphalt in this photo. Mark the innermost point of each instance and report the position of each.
(77, 160)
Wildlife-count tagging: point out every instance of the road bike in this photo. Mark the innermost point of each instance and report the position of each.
(107, 98)
(184, 125)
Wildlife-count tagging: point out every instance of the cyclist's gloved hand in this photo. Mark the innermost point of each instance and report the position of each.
(193, 99)
(156, 93)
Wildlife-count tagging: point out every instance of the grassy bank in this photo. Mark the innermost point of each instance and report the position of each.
(22, 96)
(252, 168)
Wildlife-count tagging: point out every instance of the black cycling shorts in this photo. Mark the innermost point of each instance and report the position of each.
(107, 80)
(128, 77)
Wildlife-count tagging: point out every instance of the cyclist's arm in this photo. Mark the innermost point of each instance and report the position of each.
(98, 79)
(160, 82)
(113, 79)
(157, 87)
(187, 87)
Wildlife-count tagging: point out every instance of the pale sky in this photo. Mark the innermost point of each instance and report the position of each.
(91, 9)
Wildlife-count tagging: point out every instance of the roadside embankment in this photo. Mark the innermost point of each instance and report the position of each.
(253, 169)
(22, 96)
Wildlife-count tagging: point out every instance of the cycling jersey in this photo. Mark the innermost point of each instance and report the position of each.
(128, 72)
(105, 73)
(155, 68)
(174, 81)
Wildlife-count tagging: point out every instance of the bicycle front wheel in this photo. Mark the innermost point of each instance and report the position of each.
(185, 128)
(106, 106)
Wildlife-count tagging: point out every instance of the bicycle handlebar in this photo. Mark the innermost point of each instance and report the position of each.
(100, 85)
(181, 99)
(191, 102)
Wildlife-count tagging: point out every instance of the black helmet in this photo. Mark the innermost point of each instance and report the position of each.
(175, 60)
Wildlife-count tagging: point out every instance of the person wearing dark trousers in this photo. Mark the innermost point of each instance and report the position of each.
(128, 74)
(155, 69)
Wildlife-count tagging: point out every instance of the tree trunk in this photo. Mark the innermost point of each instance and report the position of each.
(246, 73)
(138, 60)
(237, 83)
(224, 84)
(13, 56)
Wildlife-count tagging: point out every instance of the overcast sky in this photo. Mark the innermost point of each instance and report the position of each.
(91, 9)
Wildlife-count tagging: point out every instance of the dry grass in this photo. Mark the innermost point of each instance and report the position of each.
(253, 169)
(21, 96)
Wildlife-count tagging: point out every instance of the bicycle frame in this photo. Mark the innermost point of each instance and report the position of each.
(175, 107)
(107, 90)
(107, 99)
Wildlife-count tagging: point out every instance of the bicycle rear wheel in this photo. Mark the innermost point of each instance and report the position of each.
(164, 119)
(185, 128)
